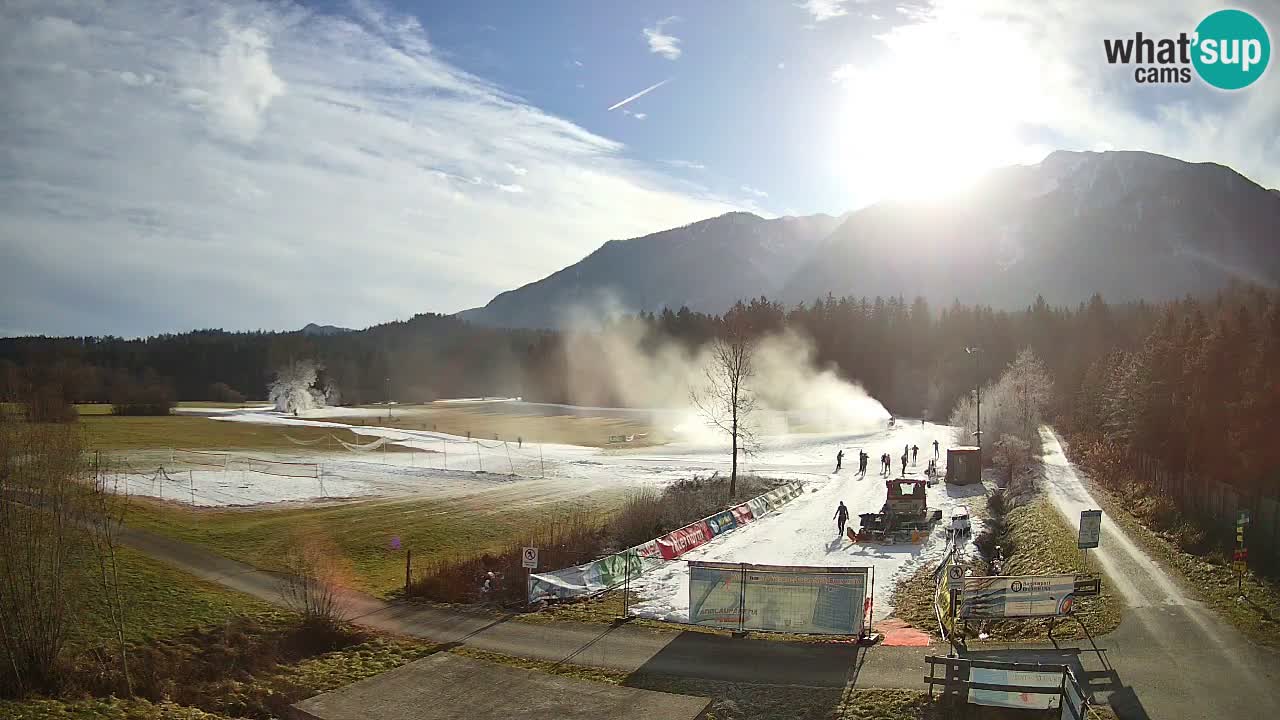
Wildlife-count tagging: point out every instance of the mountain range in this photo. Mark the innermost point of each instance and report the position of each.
(1129, 225)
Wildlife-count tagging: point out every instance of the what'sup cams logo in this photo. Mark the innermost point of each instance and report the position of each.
(1229, 50)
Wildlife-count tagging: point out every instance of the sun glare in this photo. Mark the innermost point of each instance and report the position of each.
(932, 117)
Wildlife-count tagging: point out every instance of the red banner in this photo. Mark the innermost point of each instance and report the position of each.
(742, 514)
(649, 550)
(678, 542)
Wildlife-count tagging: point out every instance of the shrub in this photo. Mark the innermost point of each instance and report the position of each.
(573, 540)
(129, 397)
(312, 581)
(640, 519)
(222, 392)
(47, 404)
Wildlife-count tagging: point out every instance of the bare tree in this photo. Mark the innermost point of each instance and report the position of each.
(39, 502)
(104, 518)
(726, 400)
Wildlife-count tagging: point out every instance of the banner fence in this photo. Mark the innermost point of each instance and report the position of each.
(780, 598)
(614, 570)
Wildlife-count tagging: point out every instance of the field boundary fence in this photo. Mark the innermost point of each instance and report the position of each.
(1217, 506)
(381, 443)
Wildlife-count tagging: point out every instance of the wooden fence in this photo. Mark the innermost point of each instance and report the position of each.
(1217, 505)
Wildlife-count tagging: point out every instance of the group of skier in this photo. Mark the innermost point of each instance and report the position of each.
(886, 460)
(862, 461)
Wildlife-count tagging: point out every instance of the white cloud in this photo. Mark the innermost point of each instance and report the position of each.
(668, 46)
(754, 191)
(639, 116)
(781, 65)
(686, 164)
(844, 73)
(236, 85)
(823, 10)
(243, 164)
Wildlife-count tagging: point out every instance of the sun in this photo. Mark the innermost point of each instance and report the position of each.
(927, 120)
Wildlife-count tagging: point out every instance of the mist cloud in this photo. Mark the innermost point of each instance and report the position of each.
(611, 356)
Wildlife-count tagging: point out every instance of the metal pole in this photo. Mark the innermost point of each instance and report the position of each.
(444, 446)
(872, 608)
(192, 477)
(742, 597)
(626, 585)
(541, 464)
(507, 447)
(408, 568)
(479, 460)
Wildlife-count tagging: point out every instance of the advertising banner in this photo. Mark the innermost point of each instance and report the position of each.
(722, 522)
(1021, 596)
(758, 506)
(715, 594)
(814, 600)
(678, 542)
(1051, 681)
(649, 550)
(610, 571)
(949, 575)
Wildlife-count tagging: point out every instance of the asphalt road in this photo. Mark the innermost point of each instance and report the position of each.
(1191, 664)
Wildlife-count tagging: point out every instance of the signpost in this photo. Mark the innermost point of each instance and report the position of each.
(1240, 559)
(1090, 529)
(529, 561)
(1088, 587)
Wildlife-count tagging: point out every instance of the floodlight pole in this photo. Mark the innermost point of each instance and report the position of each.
(977, 385)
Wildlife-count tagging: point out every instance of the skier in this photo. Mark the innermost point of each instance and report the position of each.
(935, 449)
(839, 459)
(519, 443)
(862, 462)
(841, 517)
(904, 463)
(915, 450)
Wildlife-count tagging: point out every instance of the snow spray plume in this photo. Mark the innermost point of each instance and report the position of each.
(614, 359)
(294, 389)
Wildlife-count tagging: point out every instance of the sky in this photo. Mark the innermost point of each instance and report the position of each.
(245, 164)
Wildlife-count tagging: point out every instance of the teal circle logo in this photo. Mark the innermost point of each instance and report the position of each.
(1232, 49)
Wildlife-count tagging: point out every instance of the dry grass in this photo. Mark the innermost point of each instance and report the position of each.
(489, 422)
(1044, 544)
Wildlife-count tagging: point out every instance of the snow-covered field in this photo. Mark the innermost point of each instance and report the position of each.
(439, 465)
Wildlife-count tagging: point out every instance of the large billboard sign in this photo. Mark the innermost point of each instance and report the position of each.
(812, 600)
(1020, 596)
